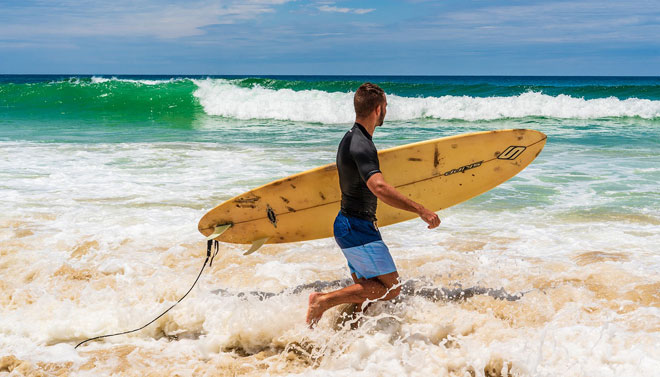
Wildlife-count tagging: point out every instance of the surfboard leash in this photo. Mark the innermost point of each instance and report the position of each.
(211, 245)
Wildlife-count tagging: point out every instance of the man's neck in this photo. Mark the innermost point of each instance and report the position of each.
(368, 124)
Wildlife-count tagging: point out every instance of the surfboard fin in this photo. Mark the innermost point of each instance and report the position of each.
(256, 244)
(217, 232)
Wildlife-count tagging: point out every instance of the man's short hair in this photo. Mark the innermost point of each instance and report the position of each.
(367, 98)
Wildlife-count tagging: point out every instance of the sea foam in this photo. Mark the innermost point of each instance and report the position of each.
(101, 238)
(224, 98)
(101, 80)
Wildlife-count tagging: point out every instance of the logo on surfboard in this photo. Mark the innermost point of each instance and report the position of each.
(463, 168)
(511, 153)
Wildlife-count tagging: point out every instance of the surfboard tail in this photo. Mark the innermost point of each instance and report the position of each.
(220, 229)
(217, 232)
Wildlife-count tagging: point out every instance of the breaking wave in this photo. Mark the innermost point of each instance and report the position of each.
(328, 102)
(224, 98)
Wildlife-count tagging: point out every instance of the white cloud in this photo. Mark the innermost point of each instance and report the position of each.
(130, 18)
(329, 8)
(552, 22)
(363, 11)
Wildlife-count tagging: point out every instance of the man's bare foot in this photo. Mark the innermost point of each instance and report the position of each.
(315, 309)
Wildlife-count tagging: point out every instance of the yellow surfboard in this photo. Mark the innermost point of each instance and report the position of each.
(436, 173)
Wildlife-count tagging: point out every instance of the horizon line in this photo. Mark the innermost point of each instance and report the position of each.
(313, 75)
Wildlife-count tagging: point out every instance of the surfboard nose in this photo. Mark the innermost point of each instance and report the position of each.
(539, 134)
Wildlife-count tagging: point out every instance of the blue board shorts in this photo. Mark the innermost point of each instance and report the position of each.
(363, 247)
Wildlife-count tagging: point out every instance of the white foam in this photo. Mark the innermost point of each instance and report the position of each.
(100, 80)
(224, 98)
(140, 204)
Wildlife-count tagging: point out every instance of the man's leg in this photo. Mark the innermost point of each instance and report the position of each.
(356, 280)
(356, 309)
(352, 312)
(383, 287)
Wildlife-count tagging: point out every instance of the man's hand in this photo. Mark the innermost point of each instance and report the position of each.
(429, 217)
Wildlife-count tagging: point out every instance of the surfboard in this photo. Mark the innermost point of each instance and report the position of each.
(437, 173)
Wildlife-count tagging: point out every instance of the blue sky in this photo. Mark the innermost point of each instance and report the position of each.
(415, 37)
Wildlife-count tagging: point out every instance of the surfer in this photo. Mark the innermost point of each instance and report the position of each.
(372, 268)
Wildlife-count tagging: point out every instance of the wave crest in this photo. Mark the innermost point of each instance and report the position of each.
(222, 97)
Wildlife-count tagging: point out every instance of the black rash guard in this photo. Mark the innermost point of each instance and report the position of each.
(357, 161)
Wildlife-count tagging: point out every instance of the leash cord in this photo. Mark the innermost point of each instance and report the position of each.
(208, 255)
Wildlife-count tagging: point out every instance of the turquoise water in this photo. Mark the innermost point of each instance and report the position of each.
(104, 178)
(97, 109)
(600, 128)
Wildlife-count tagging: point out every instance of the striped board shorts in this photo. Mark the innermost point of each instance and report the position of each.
(363, 247)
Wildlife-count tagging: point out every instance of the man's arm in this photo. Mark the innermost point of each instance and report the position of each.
(388, 194)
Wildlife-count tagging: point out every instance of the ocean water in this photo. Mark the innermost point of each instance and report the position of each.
(103, 179)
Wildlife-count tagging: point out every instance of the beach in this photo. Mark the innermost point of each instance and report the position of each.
(104, 178)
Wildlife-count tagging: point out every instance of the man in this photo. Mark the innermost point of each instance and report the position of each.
(373, 271)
